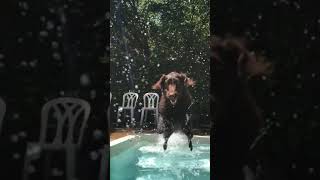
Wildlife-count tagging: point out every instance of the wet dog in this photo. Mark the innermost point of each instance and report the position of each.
(174, 105)
(237, 117)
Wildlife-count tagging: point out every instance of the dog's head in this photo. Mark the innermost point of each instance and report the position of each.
(173, 85)
(231, 59)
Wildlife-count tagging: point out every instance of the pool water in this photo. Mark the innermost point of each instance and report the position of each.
(143, 158)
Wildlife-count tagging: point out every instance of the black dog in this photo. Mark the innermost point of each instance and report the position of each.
(174, 104)
(237, 116)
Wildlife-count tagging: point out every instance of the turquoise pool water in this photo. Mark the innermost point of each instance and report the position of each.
(143, 158)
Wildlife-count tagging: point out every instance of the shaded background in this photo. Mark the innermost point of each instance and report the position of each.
(151, 38)
(50, 49)
(287, 32)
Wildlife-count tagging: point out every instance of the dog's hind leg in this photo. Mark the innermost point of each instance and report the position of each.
(168, 130)
(190, 144)
(188, 132)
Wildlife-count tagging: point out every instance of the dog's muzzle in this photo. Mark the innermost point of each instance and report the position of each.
(173, 101)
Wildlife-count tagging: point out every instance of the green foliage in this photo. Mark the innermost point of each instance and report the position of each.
(154, 37)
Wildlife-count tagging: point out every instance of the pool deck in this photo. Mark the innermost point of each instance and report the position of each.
(119, 134)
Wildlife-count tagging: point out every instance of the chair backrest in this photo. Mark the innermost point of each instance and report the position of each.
(151, 100)
(2, 112)
(69, 116)
(129, 100)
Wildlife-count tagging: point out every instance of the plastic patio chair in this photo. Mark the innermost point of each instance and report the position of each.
(129, 102)
(2, 112)
(72, 112)
(150, 103)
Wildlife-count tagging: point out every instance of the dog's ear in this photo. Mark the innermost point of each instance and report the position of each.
(215, 44)
(257, 65)
(187, 81)
(159, 83)
(243, 60)
(190, 82)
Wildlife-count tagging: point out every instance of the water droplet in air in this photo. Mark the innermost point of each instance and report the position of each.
(14, 138)
(50, 25)
(295, 116)
(16, 156)
(84, 79)
(56, 56)
(93, 155)
(43, 33)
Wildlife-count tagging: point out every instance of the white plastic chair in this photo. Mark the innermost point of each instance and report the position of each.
(70, 116)
(129, 102)
(150, 103)
(2, 112)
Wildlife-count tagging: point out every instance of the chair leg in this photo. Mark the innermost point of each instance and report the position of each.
(142, 116)
(131, 115)
(118, 115)
(157, 118)
(70, 163)
(146, 114)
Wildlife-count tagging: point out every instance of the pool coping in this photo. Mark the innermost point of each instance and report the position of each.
(122, 139)
(128, 137)
(193, 135)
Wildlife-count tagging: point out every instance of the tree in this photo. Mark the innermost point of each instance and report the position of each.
(160, 36)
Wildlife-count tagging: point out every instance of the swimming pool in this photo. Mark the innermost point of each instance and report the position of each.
(141, 157)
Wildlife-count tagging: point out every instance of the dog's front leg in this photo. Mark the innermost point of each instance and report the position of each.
(167, 134)
(168, 130)
(189, 134)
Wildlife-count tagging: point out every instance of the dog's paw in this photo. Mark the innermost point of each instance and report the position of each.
(190, 145)
(164, 146)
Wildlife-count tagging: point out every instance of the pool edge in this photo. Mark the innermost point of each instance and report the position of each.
(128, 137)
(122, 139)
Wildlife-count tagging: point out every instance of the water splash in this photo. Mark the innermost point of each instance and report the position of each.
(176, 139)
(177, 161)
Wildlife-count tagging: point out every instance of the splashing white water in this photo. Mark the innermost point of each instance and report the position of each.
(176, 139)
(177, 160)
